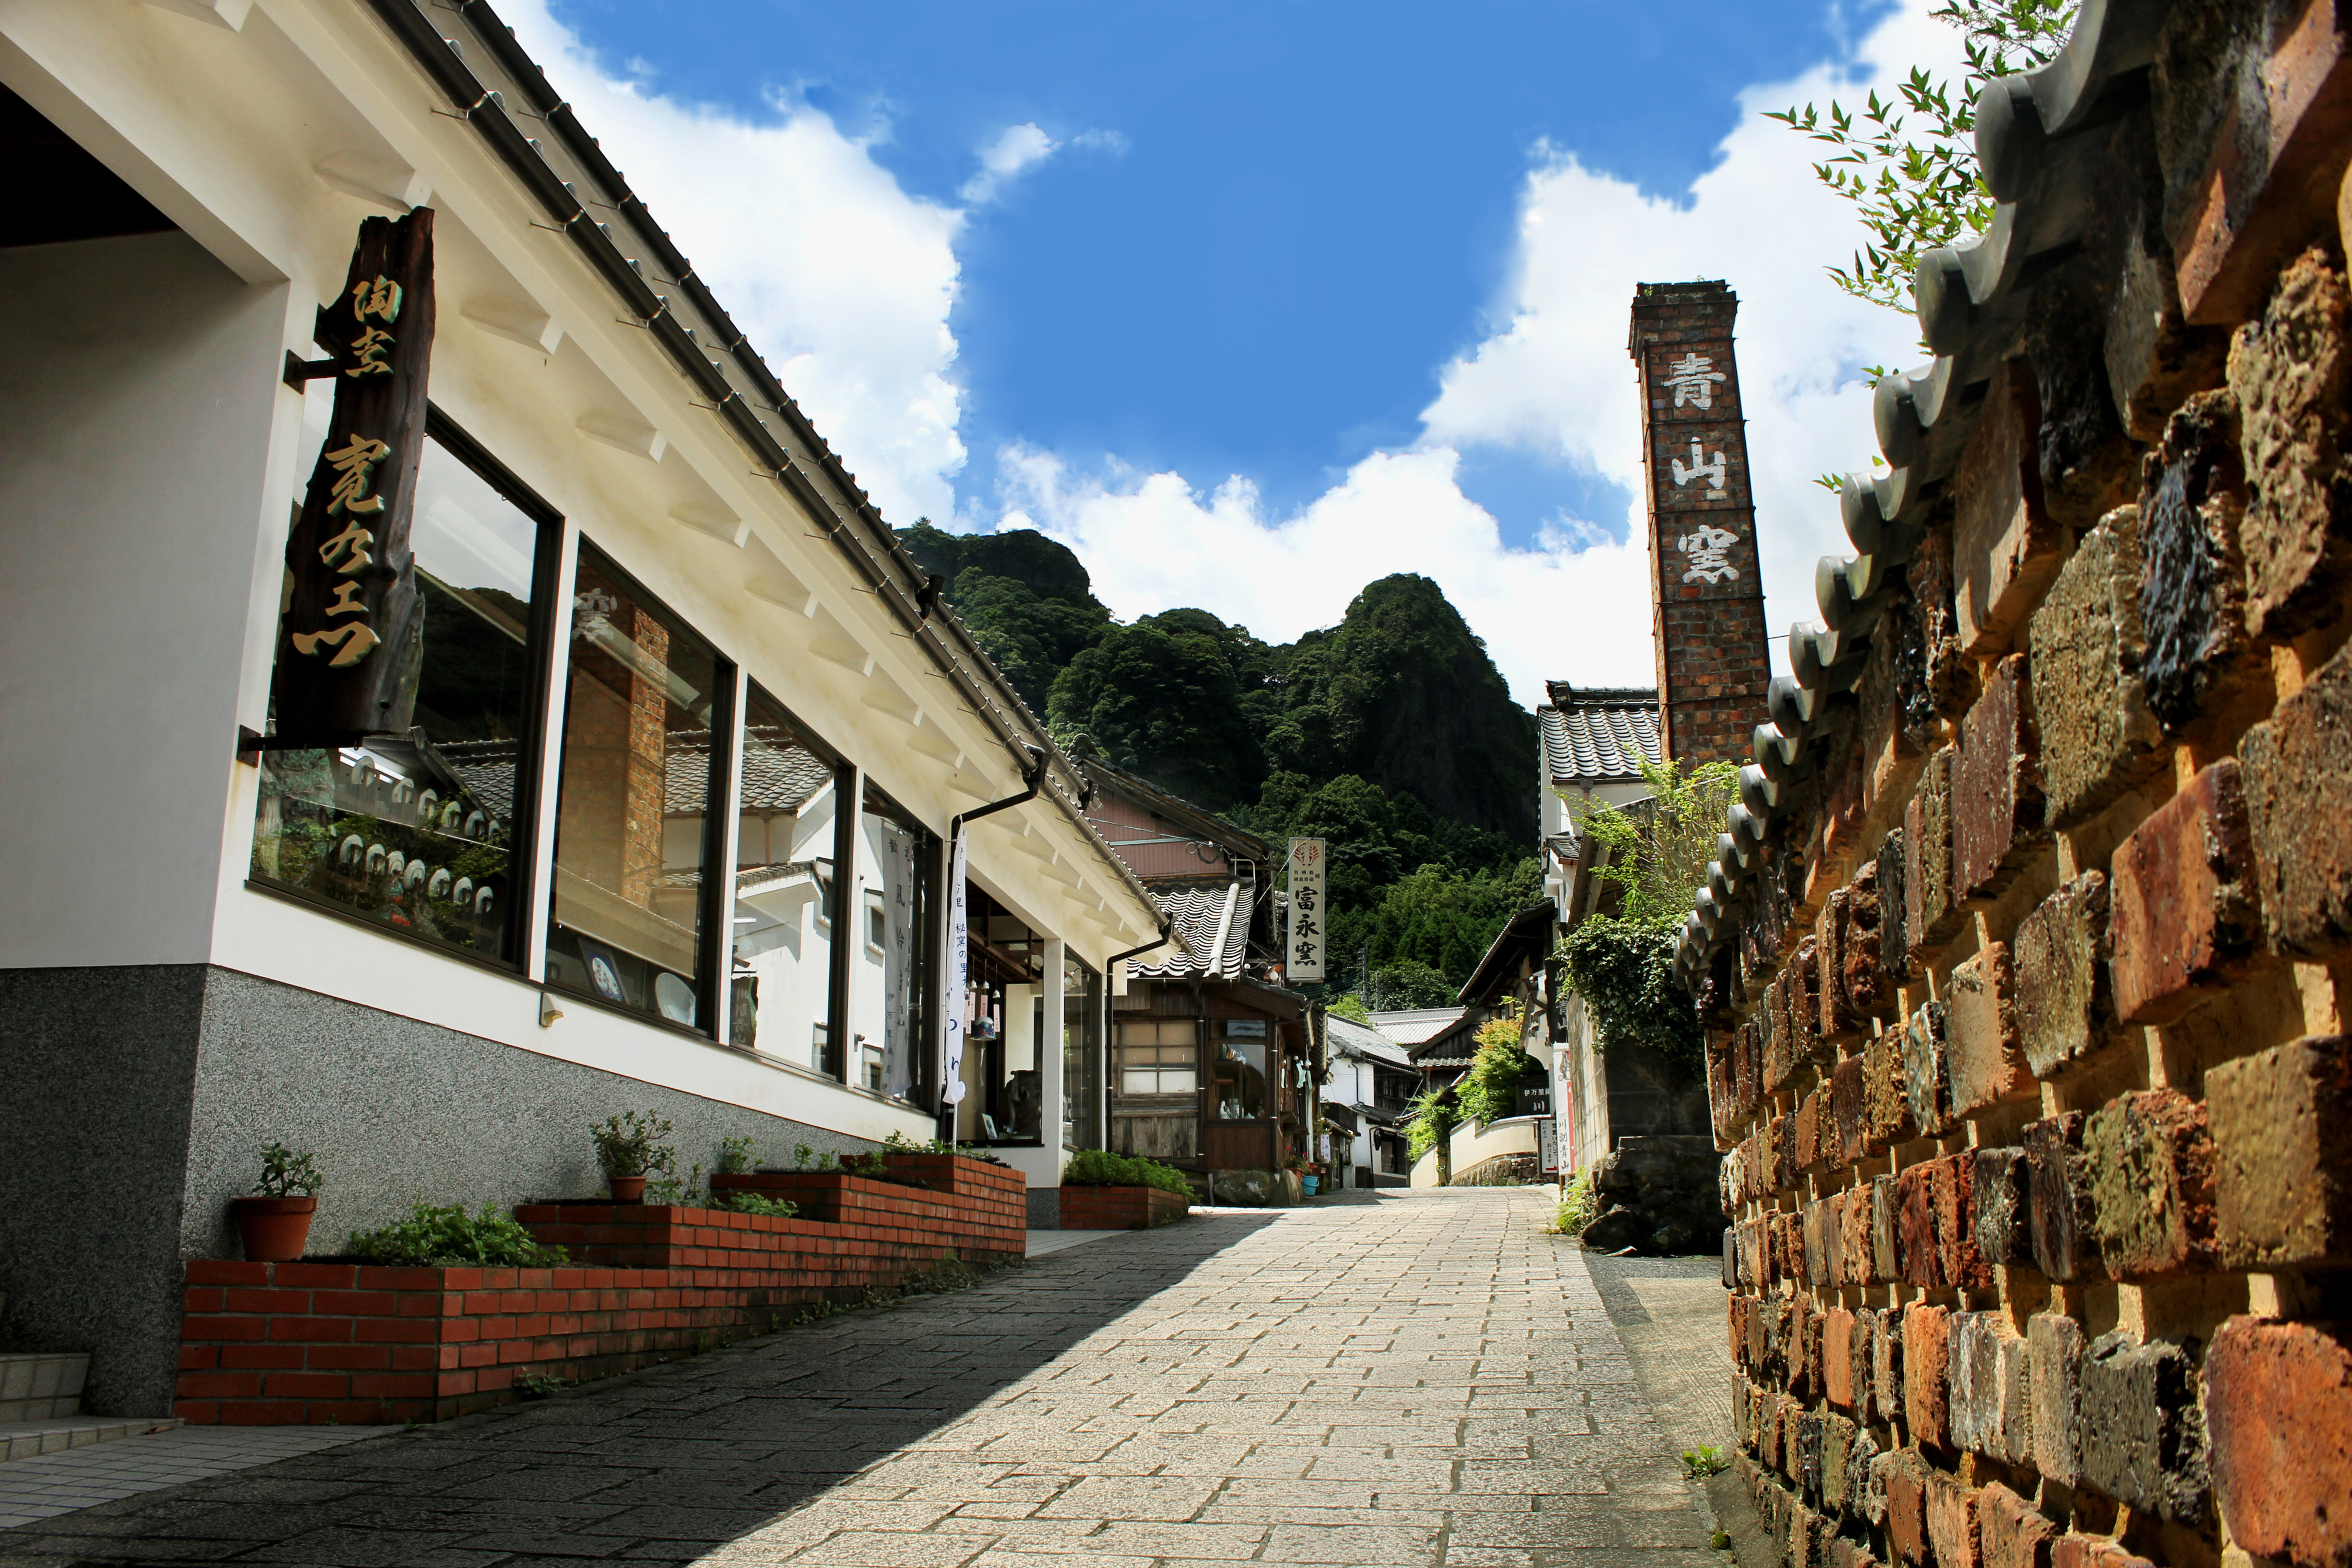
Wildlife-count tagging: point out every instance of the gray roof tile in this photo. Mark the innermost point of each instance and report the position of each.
(1599, 736)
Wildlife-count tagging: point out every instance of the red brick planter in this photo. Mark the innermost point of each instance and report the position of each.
(1120, 1208)
(288, 1344)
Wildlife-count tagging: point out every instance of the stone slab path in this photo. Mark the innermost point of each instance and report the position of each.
(1385, 1380)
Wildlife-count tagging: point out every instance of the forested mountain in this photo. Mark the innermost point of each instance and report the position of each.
(1391, 734)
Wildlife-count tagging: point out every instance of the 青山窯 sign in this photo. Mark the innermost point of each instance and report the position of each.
(345, 665)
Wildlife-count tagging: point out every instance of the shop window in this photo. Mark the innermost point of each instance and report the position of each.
(1157, 1056)
(1237, 1069)
(898, 864)
(1082, 1055)
(1003, 1084)
(644, 718)
(419, 827)
(781, 970)
(1155, 1089)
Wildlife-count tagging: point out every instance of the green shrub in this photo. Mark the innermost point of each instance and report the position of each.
(1489, 1091)
(1434, 1118)
(287, 1173)
(625, 1145)
(1100, 1167)
(451, 1236)
(743, 1202)
(1579, 1206)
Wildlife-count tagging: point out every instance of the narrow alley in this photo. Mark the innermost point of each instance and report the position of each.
(1386, 1380)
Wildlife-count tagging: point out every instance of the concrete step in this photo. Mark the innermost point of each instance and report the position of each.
(37, 1385)
(24, 1439)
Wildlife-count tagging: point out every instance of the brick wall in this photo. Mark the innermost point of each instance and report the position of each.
(2027, 1004)
(289, 1343)
(1120, 1208)
(1707, 598)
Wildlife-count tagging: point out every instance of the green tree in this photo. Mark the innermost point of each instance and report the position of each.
(1166, 705)
(1409, 983)
(1908, 164)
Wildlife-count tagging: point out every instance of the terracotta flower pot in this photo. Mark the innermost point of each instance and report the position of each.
(627, 1190)
(273, 1228)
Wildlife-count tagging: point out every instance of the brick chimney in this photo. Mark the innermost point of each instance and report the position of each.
(1706, 595)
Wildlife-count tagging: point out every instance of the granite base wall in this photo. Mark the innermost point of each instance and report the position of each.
(137, 1099)
(97, 1073)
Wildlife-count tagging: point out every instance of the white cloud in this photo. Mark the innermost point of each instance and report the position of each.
(1015, 149)
(838, 276)
(1552, 379)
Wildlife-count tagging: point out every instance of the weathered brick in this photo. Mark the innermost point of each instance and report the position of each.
(1859, 1231)
(2015, 1533)
(2099, 737)
(1984, 1065)
(1988, 1395)
(2004, 1208)
(1837, 1357)
(1887, 1364)
(2281, 1126)
(1952, 1521)
(1919, 1261)
(1927, 1375)
(1858, 1375)
(1952, 1179)
(1894, 937)
(1815, 1245)
(1886, 1099)
(2192, 598)
(2184, 920)
(2278, 1408)
(1865, 1490)
(1869, 988)
(1848, 1110)
(2065, 1010)
(1805, 1133)
(1834, 1015)
(1837, 1447)
(2064, 1224)
(2298, 775)
(1930, 913)
(2138, 1430)
(1903, 1477)
(2151, 1161)
(1833, 1241)
(1927, 1069)
(2092, 1552)
(2005, 547)
(1885, 1211)
(2054, 1364)
(1997, 806)
(2288, 372)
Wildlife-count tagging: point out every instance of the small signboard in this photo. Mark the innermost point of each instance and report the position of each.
(347, 648)
(1304, 957)
(1548, 1145)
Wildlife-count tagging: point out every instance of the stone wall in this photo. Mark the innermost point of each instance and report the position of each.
(2027, 963)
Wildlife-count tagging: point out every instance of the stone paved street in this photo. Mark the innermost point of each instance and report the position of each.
(1416, 1379)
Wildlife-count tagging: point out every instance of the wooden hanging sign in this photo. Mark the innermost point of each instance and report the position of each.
(352, 633)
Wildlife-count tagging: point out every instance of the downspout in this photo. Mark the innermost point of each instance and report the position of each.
(956, 824)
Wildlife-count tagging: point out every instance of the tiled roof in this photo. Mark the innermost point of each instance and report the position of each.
(1417, 1026)
(779, 777)
(1349, 1036)
(1599, 734)
(486, 768)
(1215, 924)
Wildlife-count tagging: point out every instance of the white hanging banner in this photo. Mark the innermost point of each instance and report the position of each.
(1306, 954)
(955, 979)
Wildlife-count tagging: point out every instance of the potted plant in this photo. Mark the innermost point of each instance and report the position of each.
(275, 1221)
(628, 1152)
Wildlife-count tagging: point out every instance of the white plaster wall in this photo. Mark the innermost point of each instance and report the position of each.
(137, 385)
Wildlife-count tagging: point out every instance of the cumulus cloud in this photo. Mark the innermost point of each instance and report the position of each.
(1015, 148)
(1551, 379)
(838, 276)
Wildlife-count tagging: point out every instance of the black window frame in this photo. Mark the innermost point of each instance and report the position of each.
(522, 857)
(714, 952)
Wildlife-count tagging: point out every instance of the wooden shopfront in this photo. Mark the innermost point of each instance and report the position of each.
(1214, 1077)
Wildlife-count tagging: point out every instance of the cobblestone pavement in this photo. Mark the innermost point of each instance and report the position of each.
(1385, 1380)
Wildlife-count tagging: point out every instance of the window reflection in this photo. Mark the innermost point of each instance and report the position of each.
(415, 827)
(633, 804)
(1237, 1068)
(890, 972)
(1082, 1055)
(781, 976)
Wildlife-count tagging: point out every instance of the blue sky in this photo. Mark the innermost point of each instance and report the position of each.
(1289, 281)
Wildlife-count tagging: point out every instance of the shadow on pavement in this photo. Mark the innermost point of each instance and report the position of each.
(661, 1465)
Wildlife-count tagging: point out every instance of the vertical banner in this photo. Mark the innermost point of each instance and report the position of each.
(1304, 958)
(354, 626)
(955, 978)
